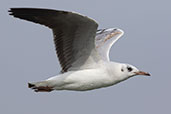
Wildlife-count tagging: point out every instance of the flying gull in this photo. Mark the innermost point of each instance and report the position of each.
(82, 50)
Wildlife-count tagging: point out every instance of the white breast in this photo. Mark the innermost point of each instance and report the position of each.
(82, 80)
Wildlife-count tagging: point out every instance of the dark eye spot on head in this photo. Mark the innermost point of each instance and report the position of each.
(122, 69)
(129, 69)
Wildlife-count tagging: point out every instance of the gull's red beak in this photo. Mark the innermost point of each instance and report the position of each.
(142, 73)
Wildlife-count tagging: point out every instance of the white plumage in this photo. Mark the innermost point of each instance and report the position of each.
(83, 51)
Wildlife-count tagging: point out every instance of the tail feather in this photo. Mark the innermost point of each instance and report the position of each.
(30, 85)
(40, 87)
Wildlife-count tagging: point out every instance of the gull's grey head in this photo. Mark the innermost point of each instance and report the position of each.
(130, 70)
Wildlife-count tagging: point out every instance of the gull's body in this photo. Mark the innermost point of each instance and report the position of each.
(83, 54)
(87, 79)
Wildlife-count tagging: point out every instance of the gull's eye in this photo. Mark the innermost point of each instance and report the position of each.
(129, 69)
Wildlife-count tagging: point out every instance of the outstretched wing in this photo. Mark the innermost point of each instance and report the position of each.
(74, 35)
(104, 40)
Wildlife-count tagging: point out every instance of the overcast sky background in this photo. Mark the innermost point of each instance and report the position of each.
(27, 54)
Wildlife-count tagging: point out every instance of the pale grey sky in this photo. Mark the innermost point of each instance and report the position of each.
(27, 54)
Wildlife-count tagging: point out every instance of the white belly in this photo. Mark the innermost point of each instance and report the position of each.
(82, 80)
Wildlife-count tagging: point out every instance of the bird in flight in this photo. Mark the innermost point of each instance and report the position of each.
(82, 50)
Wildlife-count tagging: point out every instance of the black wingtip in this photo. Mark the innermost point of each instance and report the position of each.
(11, 11)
